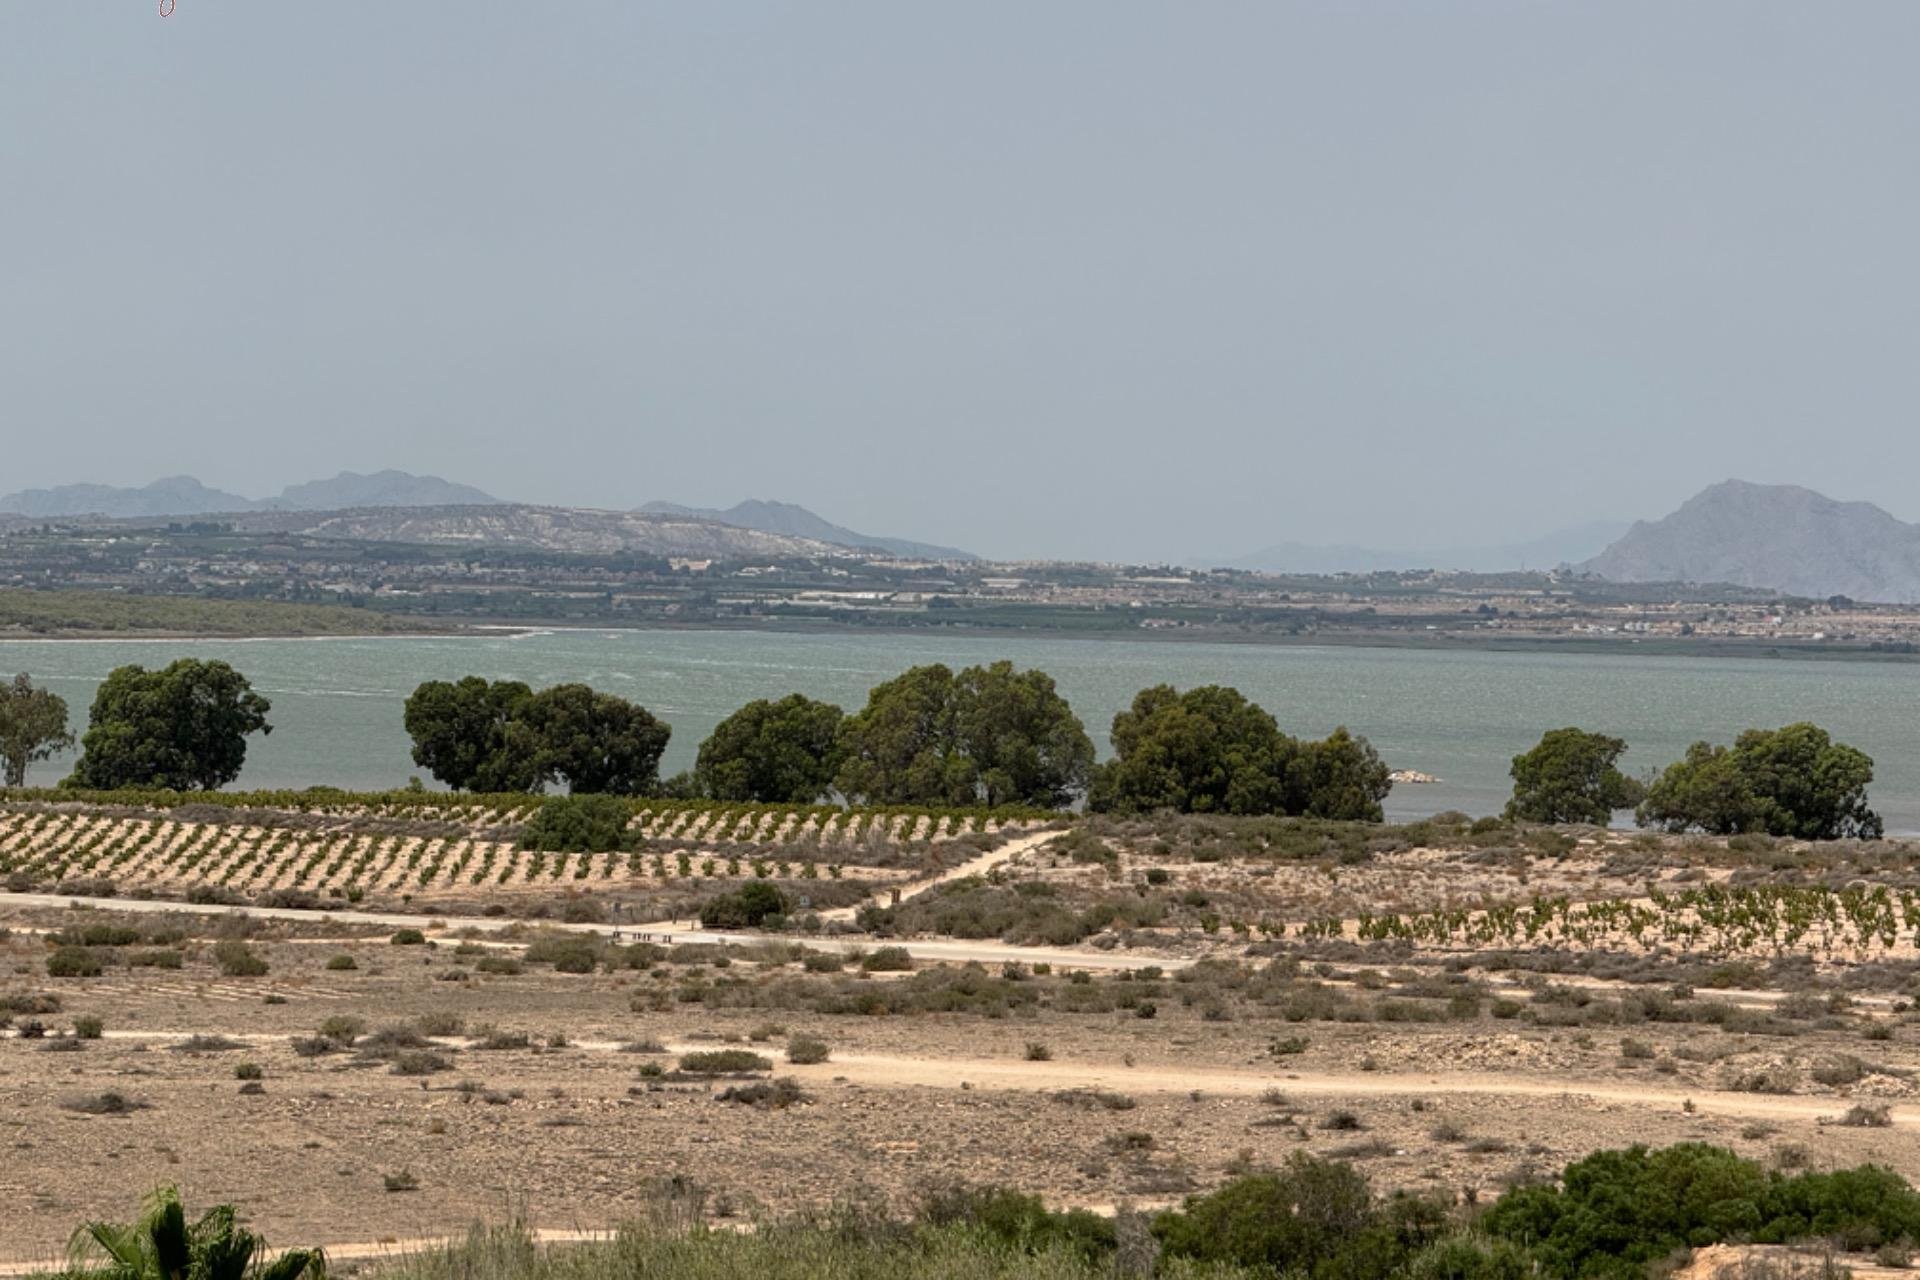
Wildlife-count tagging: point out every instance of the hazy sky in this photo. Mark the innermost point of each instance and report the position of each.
(1102, 278)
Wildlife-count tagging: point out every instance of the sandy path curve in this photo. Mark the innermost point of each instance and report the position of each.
(979, 866)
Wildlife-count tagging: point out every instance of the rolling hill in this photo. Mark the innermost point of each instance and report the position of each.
(798, 522)
(186, 496)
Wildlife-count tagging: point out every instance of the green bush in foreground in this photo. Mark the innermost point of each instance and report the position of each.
(1612, 1215)
(1618, 1210)
(846, 1252)
(162, 1245)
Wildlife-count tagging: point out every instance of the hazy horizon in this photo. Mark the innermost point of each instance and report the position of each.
(1097, 281)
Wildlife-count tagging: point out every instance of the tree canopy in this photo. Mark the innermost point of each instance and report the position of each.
(1210, 750)
(479, 735)
(989, 735)
(183, 728)
(1796, 782)
(1340, 777)
(1571, 776)
(596, 743)
(464, 734)
(783, 752)
(33, 727)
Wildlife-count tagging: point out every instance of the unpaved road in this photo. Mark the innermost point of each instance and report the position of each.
(979, 866)
(1008, 1074)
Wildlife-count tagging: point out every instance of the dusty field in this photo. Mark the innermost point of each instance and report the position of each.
(1183, 1051)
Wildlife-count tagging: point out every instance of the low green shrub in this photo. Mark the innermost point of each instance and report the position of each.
(74, 962)
(748, 907)
(807, 1051)
(579, 824)
(723, 1062)
(237, 960)
(887, 960)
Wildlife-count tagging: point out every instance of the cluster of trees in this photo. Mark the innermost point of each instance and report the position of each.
(1611, 1215)
(1796, 781)
(991, 735)
(1209, 750)
(183, 728)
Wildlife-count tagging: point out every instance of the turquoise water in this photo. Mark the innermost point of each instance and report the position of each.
(1457, 715)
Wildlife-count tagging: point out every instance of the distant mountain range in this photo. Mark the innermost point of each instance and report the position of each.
(798, 522)
(186, 496)
(1779, 536)
(1550, 551)
(790, 526)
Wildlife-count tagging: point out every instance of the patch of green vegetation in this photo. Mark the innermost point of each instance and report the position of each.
(90, 612)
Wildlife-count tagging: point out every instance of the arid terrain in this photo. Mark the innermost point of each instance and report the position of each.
(1104, 1013)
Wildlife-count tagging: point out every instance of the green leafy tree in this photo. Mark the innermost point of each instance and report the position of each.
(1207, 750)
(1707, 790)
(33, 727)
(1024, 742)
(183, 727)
(163, 1245)
(596, 743)
(902, 748)
(783, 752)
(1571, 776)
(464, 734)
(1340, 777)
(989, 735)
(1796, 782)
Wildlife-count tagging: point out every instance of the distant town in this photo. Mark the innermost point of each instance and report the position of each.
(464, 585)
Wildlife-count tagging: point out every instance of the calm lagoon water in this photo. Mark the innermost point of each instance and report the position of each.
(1460, 716)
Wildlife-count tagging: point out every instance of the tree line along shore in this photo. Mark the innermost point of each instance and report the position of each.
(989, 737)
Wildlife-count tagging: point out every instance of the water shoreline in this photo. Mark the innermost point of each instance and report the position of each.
(1755, 650)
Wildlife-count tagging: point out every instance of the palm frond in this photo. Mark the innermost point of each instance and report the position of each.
(296, 1264)
(118, 1244)
(164, 1227)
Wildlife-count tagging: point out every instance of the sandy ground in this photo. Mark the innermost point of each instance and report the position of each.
(1081, 1099)
(576, 1137)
